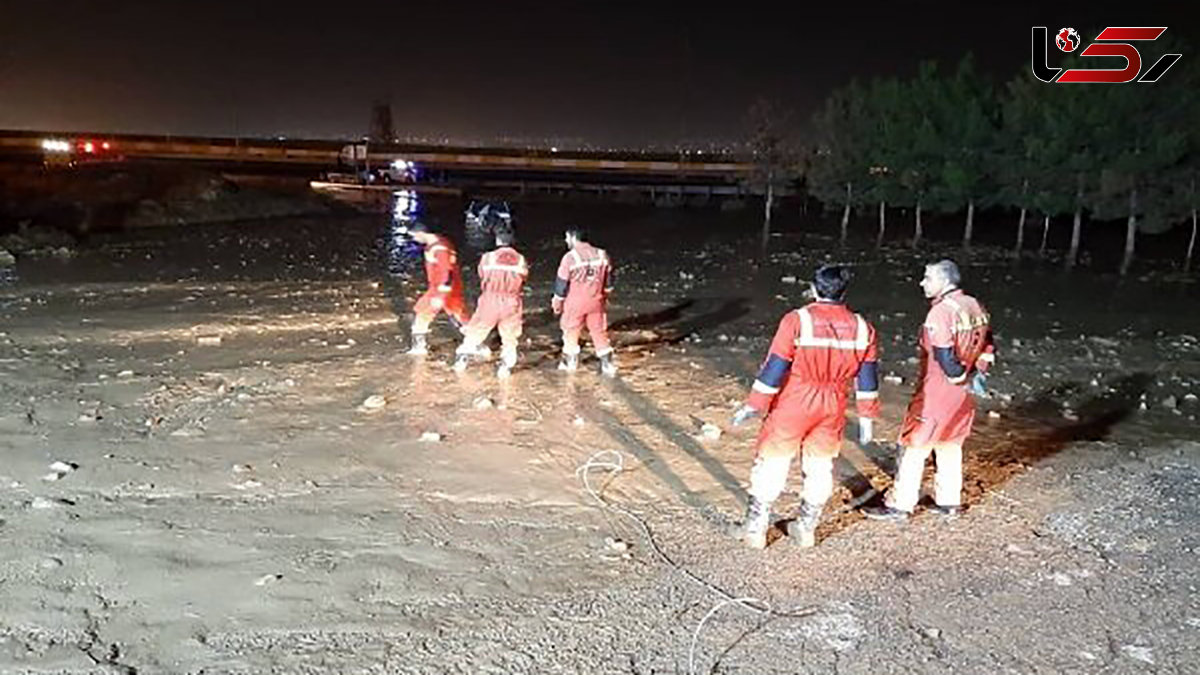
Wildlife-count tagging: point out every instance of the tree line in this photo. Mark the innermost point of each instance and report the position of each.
(954, 142)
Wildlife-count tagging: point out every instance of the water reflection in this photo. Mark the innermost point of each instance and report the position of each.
(403, 253)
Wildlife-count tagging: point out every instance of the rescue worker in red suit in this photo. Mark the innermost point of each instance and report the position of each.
(581, 290)
(956, 352)
(445, 292)
(802, 389)
(502, 275)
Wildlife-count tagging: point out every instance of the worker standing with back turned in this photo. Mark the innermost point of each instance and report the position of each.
(581, 290)
(502, 274)
(802, 389)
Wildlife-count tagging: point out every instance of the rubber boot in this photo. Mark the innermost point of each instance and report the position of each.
(608, 367)
(753, 528)
(803, 530)
(946, 511)
(461, 362)
(569, 363)
(508, 361)
(419, 346)
(886, 513)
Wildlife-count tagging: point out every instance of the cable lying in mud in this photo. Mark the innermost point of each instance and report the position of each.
(614, 462)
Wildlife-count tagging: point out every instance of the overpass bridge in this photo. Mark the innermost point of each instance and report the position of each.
(317, 155)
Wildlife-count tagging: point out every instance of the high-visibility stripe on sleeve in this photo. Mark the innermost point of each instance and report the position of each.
(764, 388)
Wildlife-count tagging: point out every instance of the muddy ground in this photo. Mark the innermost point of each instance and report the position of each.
(229, 506)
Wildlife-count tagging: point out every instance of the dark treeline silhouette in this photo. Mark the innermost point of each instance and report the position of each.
(954, 142)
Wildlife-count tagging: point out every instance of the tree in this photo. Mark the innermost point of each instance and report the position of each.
(1075, 142)
(1150, 179)
(1073, 118)
(917, 154)
(1191, 247)
(776, 161)
(837, 168)
(1020, 138)
(1143, 145)
(965, 120)
(882, 136)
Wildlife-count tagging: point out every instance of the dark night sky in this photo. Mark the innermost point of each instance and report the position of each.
(603, 72)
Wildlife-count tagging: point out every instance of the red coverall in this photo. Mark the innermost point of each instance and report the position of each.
(445, 292)
(817, 350)
(581, 291)
(502, 275)
(956, 338)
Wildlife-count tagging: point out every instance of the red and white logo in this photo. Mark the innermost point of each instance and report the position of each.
(1067, 39)
(1112, 41)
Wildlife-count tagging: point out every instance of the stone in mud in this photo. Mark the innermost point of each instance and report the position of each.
(373, 402)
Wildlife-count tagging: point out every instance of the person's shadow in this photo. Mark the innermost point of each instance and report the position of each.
(997, 450)
(675, 323)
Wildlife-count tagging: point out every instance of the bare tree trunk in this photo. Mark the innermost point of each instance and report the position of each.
(1187, 263)
(1020, 235)
(969, 230)
(1021, 223)
(1045, 236)
(917, 230)
(1073, 254)
(769, 203)
(882, 223)
(1130, 233)
(846, 215)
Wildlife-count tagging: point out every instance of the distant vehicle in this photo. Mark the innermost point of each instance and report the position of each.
(59, 152)
(355, 158)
